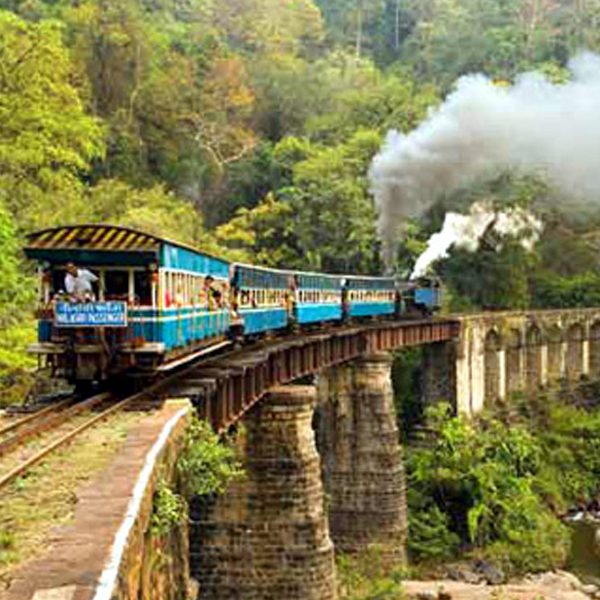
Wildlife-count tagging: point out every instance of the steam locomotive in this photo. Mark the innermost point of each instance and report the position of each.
(157, 304)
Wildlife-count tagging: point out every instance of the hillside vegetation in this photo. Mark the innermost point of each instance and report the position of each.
(247, 127)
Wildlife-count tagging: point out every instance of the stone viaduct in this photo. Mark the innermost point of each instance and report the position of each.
(498, 354)
(317, 427)
(278, 515)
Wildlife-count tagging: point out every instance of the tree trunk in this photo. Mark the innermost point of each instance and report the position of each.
(397, 27)
(359, 27)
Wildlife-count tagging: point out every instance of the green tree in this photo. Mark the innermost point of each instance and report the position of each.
(452, 38)
(334, 217)
(152, 209)
(263, 235)
(16, 296)
(46, 139)
(478, 482)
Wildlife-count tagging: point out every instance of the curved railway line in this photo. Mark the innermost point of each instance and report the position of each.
(53, 418)
(37, 423)
(223, 387)
(19, 435)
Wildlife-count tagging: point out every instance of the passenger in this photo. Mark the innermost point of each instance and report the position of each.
(78, 283)
(215, 297)
(179, 297)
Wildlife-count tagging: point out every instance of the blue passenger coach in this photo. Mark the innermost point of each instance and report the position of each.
(260, 297)
(156, 303)
(370, 296)
(173, 296)
(317, 298)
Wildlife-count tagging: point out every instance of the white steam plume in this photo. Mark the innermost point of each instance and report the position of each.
(482, 129)
(467, 231)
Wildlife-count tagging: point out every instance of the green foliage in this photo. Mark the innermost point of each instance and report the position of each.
(489, 278)
(263, 234)
(46, 139)
(478, 482)
(570, 438)
(168, 509)
(430, 538)
(502, 39)
(395, 101)
(367, 577)
(406, 376)
(551, 290)
(334, 215)
(206, 465)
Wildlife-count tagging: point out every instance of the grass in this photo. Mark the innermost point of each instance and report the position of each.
(367, 576)
(47, 495)
(16, 366)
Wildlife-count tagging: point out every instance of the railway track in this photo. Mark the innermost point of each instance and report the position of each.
(35, 424)
(21, 435)
(25, 431)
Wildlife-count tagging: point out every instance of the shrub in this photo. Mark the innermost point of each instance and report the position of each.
(475, 486)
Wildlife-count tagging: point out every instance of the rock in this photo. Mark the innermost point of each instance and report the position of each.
(427, 595)
(590, 589)
(489, 572)
(463, 573)
(566, 577)
(442, 595)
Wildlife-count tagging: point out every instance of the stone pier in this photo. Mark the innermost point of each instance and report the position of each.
(438, 380)
(363, 472)
(267, 537)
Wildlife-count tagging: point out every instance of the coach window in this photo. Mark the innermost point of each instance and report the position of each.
(142, 284)
(116, 284)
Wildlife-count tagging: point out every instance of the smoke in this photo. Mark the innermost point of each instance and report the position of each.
(467, 231)
(483, 129)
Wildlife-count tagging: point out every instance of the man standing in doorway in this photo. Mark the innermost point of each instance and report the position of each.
(78, 283)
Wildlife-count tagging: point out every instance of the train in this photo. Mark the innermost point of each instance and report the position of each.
(154, 304)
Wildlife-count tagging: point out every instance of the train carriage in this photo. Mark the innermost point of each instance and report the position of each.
(318, 297)
(156, 304)
(370, 296)
(261, 298)
(155, 300)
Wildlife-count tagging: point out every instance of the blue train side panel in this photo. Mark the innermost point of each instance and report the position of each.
(428, 296)
(179, 327)
(313, 313)
(259, 320)
(370, 309)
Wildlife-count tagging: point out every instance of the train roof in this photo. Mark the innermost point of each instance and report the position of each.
(372, 277)
(100, 237)
(290, 271)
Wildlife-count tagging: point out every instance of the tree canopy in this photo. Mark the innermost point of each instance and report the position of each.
(248, 127)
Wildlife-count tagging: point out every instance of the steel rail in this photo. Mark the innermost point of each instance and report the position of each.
(54, 420)
(34, 415)
(63, 440)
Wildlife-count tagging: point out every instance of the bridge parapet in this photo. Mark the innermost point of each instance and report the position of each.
(498, 353)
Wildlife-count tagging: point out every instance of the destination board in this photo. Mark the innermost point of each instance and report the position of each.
(90, 314)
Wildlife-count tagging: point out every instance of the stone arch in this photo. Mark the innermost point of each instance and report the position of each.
(574, 361)
(533, 358)
(492, 346)
(554, 339)
(514, 364)
(595, 349)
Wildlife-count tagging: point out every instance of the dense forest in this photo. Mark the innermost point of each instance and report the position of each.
(247, 127)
